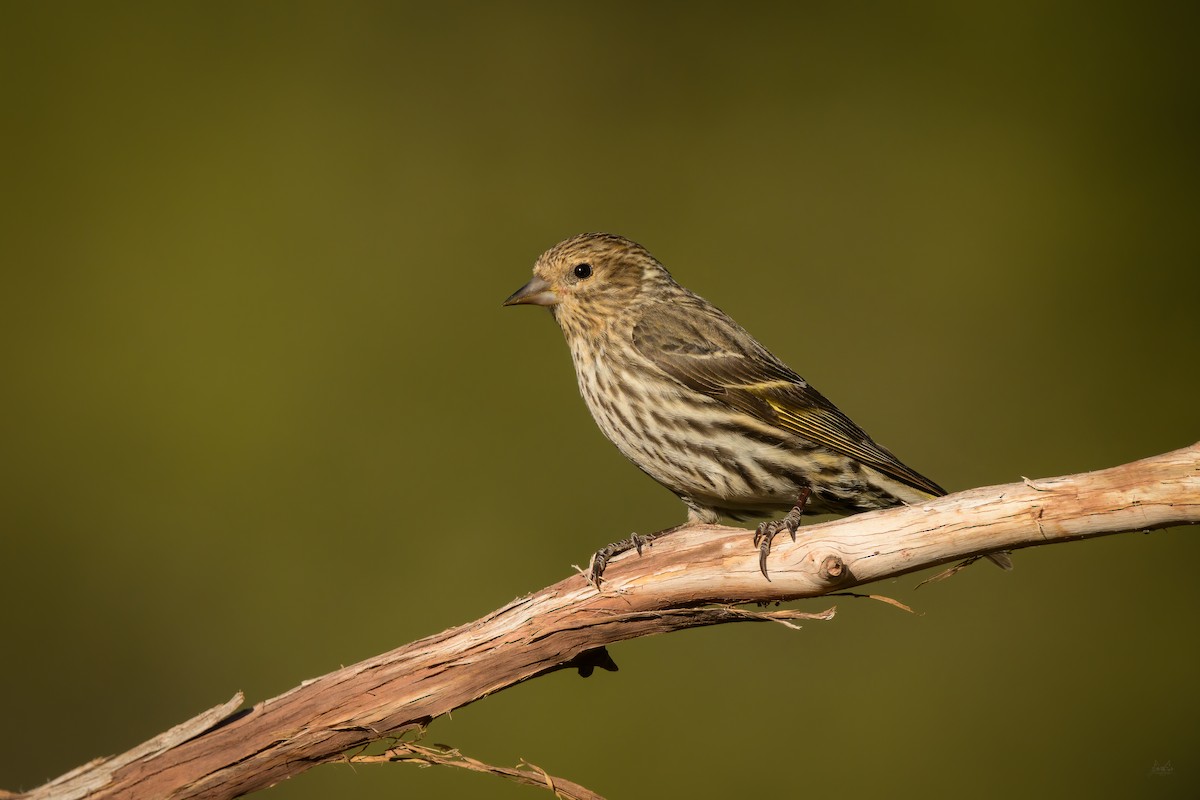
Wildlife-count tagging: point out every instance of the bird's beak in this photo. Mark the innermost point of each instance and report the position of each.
(535, 293)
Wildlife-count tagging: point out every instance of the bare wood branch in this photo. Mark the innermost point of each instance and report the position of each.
(673, 586)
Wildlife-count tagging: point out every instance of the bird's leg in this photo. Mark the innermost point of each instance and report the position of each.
(767, 531)
(636, 541)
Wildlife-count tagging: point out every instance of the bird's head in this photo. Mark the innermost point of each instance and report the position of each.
(592, 277)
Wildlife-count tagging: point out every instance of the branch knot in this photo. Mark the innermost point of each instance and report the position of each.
(833, 569)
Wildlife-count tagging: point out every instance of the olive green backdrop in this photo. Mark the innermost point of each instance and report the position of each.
(263, 414)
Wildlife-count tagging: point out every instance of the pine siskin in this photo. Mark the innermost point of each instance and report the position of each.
(699, 405)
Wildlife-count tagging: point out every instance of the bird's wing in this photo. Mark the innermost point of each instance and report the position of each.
(702, 348)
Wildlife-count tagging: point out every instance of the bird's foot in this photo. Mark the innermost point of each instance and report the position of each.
(600, 560)
(767, 531)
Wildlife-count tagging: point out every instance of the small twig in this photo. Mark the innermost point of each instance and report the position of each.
(891, 601)
(442, 755)
(952, 571)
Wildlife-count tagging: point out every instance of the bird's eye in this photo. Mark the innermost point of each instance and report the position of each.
(583, 271)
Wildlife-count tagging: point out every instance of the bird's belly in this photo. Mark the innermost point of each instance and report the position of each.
(695, 446)
(720, 459)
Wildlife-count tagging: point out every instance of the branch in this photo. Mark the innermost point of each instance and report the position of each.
(690, 579)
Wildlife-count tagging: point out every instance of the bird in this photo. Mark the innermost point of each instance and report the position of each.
(699, 405)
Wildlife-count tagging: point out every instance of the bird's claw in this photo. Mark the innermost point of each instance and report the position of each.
(600, 559)
(767, 531)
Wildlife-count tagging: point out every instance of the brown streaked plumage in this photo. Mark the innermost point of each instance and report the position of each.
(697, 403)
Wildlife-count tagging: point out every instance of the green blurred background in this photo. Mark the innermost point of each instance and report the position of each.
(263, 414)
